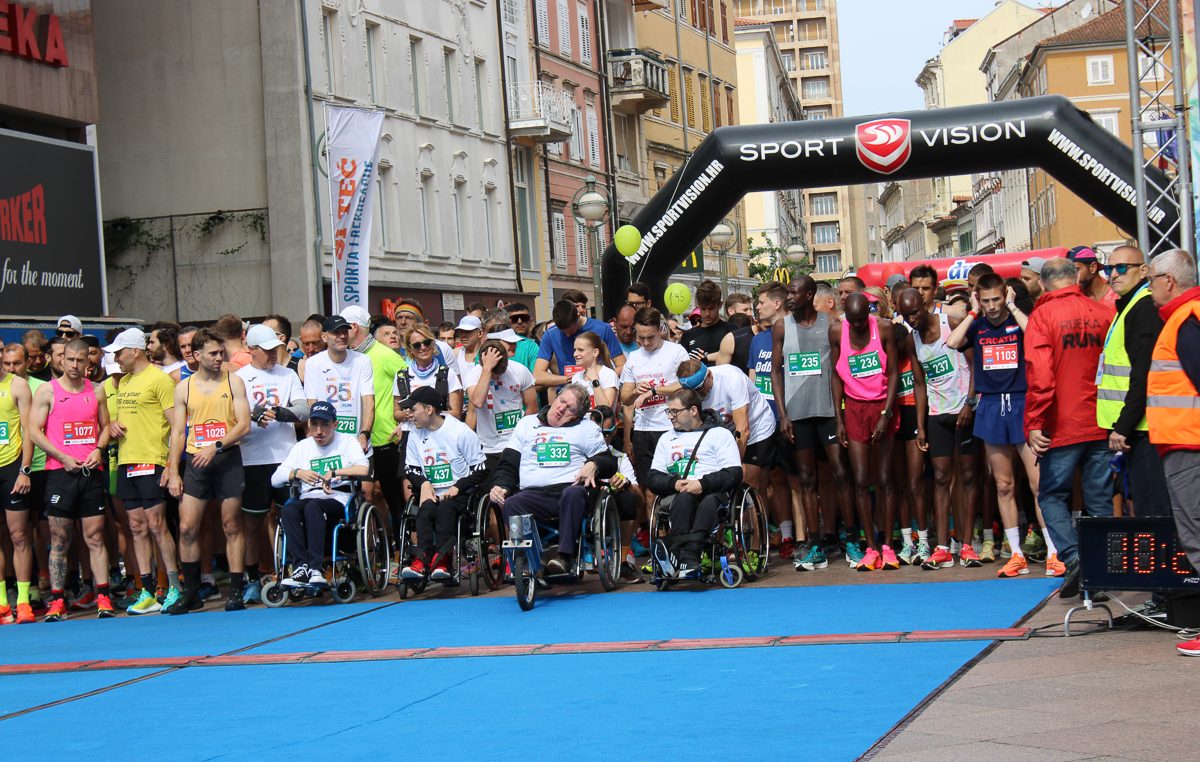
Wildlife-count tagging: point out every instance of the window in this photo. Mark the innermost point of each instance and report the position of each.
(729, 105)
(966, 243)
(480, 81)
(417, 67)
(815, 59)
(585, 35)
(558, 228)
(593, 137)
(689, 98)
(812, 30)
(327, 48)
(520, 174)
(816, 114)
(451, 69)
(816, 88)
(581, 247)
(674, 91)
(564, 28)
(705, 112)
(1100, 70)
(543, 22)
(724, 22)
(512, 12)
(1149, 69)
(716, 104)
(372, 54)
(620, 142)
(425, 197)
(823, 204)
(789, 61)
(489, 223)
(576, 134)
(383, 188)
(829, 262)
(826, 232)
(1107, 118)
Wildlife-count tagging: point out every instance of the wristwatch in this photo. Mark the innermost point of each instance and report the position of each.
(887, 412)
(596, 383)
(219, 445)
(26, 470)
(972, 401)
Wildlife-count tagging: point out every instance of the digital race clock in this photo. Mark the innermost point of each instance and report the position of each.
(1133, 554)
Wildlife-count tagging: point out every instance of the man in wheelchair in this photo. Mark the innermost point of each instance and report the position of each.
(695, 466)
(444, 463)
(319, 462)
(554, 458)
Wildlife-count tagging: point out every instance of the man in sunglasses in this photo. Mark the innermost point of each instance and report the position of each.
(1124, 367)
(68, 327)
(519, 319)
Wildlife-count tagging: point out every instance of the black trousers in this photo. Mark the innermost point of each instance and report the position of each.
(437, 523)
(567, 506)
(693, 518)
(1149, 480)
(304, 523)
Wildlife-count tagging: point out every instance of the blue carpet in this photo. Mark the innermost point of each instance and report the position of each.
(19, 692)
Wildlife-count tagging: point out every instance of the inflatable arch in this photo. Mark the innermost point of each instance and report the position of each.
(1046, 132)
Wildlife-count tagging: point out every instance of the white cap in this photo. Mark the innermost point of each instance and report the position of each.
(356, 315)
(111, 368)
(468, 323)
(508, 334)
(72, 321)
(130, 338)
(262, 336)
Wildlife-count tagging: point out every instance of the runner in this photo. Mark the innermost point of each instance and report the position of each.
(232, 331)
(862, 350)
(16, 457)
(70, 422)
(211, 416)
(343, 378)
(703, 339)
(185, 351)
(912, 401)
(500, 392)
(163, 348)
(595, 370)
(924, 279)
(469, 335)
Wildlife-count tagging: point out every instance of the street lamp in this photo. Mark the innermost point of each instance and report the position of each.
(797, 252)
(591, 208)
(721, 239)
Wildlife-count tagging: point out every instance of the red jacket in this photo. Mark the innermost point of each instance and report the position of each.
(1063, 342)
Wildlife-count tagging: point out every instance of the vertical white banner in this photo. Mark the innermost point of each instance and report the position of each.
(353, 153)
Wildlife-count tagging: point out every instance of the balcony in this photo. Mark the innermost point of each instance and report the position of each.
(637, 81)
(539, 112)
(648, 5)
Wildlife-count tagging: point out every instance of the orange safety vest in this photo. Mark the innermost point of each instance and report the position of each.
(1172, 402)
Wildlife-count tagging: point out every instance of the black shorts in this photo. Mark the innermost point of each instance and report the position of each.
(140, 491)
(8, 480)
(814, 433)
(259, 494)
(945, 437)
(37, 493)
(74, 495)
(223, 479)
(908, 423)
(644, 444)
(769, 453)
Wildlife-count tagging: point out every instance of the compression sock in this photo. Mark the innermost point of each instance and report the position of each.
(1014, 541)
(191, 579)
(252, 573)
(923, 535)
(3, 592)
(34, 593)
(102, 589)
(22, 592)
(237, 583)
(173, 580)
(1050, 549)
(147, 581)
(787, 530)
(57, 595)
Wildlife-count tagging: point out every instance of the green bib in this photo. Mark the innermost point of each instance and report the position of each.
(553, 453)
(804, 364)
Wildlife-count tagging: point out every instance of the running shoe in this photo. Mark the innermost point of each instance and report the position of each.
(908, 555)
(787, 548)
(1034, 547)
(648, 567)
(854, 554)
(955, 546)
(1016, 566)
(6, 615)
(85, 600)
(688, 569)
(172, 598)
(182, 604)
(556, 567)
(207, 591)
(235, 603)
(987, 553)
(940, 559)
(104, 607)
(299, 577)
(415, 570)
(871, 561)
(1054, 567)
(440, 572)
(57, 611)
(969, 558)
(25, 614)
(813, 558)
(890, 561)
(831, 547)
(1005, 551)
(629, 574)
(1189, 647)
(252, 593)
(640, 544)
(317, 579)
(36, 602)
(145, 604)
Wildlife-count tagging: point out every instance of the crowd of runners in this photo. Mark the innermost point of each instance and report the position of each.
(926, 424)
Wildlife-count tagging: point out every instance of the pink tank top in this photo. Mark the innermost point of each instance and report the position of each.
(73, 425)
(863, 371)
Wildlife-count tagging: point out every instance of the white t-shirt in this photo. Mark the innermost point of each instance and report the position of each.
(169, 369)
(277, 387)
(342, 385)
(657, 367)
(731, 389)
(719, 450)
(462, 363)
(552, 454)
(343, 452)
(453, 384)
(446, 455)
(608, 380)
(505, 406)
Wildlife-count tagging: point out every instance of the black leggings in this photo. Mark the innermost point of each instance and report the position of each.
(436, 524)
(693, 518)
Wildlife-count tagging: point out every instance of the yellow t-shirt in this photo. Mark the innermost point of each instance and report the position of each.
(10, 423)
(142, 401)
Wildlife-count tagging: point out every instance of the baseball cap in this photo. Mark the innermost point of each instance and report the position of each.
(507, 335)
(895, 278)
(424, 395)
(262, 336)
(335, 323)
(72, 323)
(468, 323)
(111, 367)
(356, 315)
(1082, 254)
(1034, 264)
(322, 411)
(130, 338)
(954, 284)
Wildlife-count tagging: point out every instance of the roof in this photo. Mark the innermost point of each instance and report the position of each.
(961, 24)
(1108, 27)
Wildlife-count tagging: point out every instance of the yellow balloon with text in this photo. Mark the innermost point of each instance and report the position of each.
(678, 298)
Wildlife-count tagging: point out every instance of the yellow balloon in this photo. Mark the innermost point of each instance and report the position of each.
(627, 240)
(677, 298)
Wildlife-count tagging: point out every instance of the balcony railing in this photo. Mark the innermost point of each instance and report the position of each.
(539, 111)
(637, 80)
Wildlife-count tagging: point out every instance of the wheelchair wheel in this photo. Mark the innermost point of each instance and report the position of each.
(279, 547)
(374, 553)
(607, 538)
(344, 589)
(750, 531)
(730, 575)
(273, 595)
(489, 560)
(526, 584)
(406, 544)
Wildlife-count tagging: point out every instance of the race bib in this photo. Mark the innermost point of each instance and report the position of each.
(804, 364)
(937, 367)
(439, 474)
(506, 420)
(4, 437)
(1000, 356)
(207, 434)
(141, 469)
(865, 365)
(571, 370)
(79, 433)
(906, 382)
(762, 382)
(347, 424)
(325, 465)
(553, 453)
(680, 467)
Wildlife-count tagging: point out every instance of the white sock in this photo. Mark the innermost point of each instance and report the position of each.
(923, 535)
(1050, 549)
(988, 536)
(208, 578)
(787, 529)
(1014, 541)
(906, 537)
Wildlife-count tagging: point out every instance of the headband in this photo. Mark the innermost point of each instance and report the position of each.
(696, 379)
(414, 309)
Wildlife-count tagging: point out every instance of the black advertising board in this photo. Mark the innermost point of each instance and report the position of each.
(51, 258)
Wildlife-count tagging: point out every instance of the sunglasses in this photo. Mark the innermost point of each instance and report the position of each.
(1120, 269)
(66, 334)
(422, 344)
(519, 318)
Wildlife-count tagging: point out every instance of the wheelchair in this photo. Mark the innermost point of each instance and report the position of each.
(359, 557)
(598, 548)
(476, 551)
(737, 550)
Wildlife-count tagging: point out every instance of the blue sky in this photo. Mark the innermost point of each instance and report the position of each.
(885, 44)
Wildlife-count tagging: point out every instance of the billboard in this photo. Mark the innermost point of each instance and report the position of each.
(51, 256)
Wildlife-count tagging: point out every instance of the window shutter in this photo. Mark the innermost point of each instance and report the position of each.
(543, 23)
(560, 239)
(674, 83)
(593, 127)
(585, 36)
(581, 247)
(564, 28)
